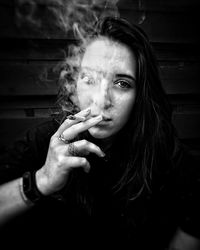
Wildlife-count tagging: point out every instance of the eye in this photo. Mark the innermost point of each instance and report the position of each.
(123, 84)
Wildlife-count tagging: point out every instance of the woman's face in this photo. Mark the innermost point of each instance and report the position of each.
(107, 84)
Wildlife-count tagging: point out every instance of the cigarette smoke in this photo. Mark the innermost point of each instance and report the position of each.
(71, 19)
(46, 16)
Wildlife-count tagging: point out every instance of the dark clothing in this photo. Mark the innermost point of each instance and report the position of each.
(148, 222)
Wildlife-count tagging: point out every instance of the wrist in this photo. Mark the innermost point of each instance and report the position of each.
(23, 195)
(34, 191)
(31, 193)
(42, 185)
(40, 182)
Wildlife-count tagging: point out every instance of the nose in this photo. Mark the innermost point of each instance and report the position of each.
(102, 100)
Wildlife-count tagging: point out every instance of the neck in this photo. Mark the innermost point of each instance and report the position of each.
(105, 144)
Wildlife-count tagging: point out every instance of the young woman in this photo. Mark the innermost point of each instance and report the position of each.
(112, 170)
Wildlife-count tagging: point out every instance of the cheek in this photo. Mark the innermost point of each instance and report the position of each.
(124, 107)
(83, 96)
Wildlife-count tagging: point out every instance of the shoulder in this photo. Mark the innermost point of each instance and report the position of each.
(187, 190)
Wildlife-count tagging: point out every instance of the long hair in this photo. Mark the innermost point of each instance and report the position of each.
(151, 137)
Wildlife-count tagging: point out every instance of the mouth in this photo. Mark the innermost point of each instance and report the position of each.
(105, 121)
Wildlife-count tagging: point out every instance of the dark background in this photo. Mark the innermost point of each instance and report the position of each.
(29, 55)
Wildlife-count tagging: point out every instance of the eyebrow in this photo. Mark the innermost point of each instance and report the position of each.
(91, 70)
(118, 75)
(126, 76)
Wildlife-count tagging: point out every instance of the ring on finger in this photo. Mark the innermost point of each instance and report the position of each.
(62, 138)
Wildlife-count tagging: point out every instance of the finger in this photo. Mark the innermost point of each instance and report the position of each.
(76, 117)
(74, 130)
(77, 162)
(85, 147)
(81, 116)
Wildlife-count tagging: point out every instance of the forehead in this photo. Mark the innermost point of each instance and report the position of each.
(109, 56)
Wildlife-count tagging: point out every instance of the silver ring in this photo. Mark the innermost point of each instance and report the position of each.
(62, 138)
(72, 149)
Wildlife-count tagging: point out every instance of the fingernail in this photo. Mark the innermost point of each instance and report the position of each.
(98, 118)
(80, 118)
(103, 154)
(86, 111)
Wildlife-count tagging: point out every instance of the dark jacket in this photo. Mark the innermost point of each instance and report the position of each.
(147, 222)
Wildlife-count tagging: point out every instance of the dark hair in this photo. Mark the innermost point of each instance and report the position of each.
(150, 139)
(151, 135)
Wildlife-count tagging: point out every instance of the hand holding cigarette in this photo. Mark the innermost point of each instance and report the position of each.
(64, 155)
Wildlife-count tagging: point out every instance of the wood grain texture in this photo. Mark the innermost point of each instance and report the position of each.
(29, 55)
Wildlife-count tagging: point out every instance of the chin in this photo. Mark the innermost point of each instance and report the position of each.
(99, 133)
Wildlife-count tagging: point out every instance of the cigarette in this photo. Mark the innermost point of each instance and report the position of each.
(76, 117)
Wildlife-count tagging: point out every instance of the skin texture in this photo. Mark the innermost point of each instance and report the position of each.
(106, 101)
(106, 85)
(106, 91)
(106, 95)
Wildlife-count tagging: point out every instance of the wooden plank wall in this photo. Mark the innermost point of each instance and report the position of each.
(28, 58)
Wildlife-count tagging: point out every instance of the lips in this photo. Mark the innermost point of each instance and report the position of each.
(105, 121)
(104, 118)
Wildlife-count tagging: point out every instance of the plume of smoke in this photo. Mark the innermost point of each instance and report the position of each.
(69, 69)
(71, 19)
(61, 15)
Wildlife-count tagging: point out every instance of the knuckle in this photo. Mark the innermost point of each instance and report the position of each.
(83, 161)
(55, 150)
(93, 147)
(85, 143)
(60, 159)
(66, 122)
(52, 147)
